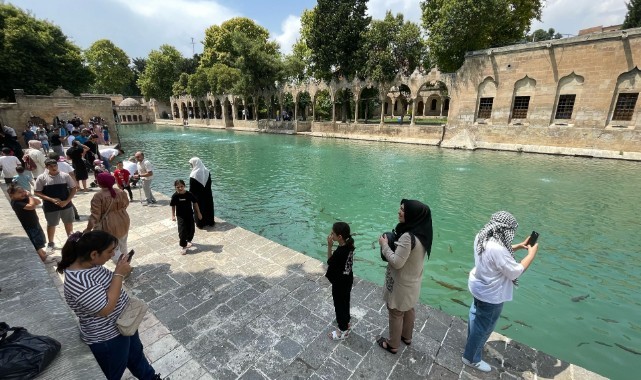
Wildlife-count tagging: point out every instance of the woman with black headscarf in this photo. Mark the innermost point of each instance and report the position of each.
(413, 235)
(200, 187)
(491, 281)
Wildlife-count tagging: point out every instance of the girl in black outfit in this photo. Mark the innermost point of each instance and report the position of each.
(181, 207)
(339, 273)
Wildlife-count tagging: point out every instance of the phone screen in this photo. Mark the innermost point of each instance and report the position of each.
(130, 255)
(533, 238)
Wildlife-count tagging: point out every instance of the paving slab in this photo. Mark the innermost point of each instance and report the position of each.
(239, 306)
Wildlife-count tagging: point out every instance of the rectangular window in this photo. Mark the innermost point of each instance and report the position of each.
(625, 106)
(521, 104)
(565, 107)
(485, 108)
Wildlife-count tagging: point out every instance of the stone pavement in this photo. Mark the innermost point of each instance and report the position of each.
(240, 306)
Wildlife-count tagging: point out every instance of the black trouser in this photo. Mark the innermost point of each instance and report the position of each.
(128, 188)
(341, 291)
(186, 230)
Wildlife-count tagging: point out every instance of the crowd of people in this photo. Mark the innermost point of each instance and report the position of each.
(96, 295)
(40, 175)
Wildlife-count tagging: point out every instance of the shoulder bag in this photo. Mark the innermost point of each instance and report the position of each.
(131, 317)
(100, 225)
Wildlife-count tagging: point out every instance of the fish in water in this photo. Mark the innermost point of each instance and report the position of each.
(582, 343)
(449, 286)
(603, 344)
(459, 302)
(628, 349)
(608, 320)
(506, 327)
(561, 282)
(451, 250)
(580, 298)
(522, 323)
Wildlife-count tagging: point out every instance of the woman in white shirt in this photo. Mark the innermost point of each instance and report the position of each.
(491, 281)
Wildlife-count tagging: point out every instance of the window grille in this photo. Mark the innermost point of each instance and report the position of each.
(625, 106)
(485, 108)
(565, 107)
(521, 104)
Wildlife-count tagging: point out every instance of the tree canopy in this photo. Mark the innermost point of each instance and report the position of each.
(334, 34)
(542, 35)
(392, 46)
(161, 69)
(110, 67)
(37, 57)
(633, 17)
(458, 26)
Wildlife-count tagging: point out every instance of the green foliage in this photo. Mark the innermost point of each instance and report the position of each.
(633, 17)
(162, 67)
(542, 35)
(137, 67)
(36, 56)
(323, 109)
(392, 46)
(457, 26)
(334, 34)
(110, 67)
(180, 86)
(218, 42)
(198, 82)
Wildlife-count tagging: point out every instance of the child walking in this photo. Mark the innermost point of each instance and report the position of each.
(122, 179)
(340, 275)
(181, 208)
(24, 204)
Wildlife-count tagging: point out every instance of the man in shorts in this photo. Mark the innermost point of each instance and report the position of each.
(56, 189)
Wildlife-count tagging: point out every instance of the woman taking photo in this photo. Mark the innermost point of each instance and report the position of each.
(413, 240)
(109, 211)
(96, 295)
(200, 187)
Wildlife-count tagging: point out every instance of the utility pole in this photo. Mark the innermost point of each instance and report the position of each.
(193, 51)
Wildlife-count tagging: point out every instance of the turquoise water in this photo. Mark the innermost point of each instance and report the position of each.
(292, 188)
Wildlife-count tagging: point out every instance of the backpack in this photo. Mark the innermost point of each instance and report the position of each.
(29, 163)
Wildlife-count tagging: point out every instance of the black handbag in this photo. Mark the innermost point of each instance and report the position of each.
(23, 355)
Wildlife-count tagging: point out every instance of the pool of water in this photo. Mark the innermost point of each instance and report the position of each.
(579, 301)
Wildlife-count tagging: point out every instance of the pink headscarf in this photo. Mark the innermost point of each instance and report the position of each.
(107, 181)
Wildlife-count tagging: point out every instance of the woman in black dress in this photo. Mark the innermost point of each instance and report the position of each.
(76, 153)
(200, 186)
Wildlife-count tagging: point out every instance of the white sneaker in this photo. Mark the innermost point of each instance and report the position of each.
(183, 251)
(50, 250)
(481, 365)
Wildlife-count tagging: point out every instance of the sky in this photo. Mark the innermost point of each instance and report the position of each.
(139, 26)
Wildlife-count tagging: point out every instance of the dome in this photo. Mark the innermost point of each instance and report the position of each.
(129, 102)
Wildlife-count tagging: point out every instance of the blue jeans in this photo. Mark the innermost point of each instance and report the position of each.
(483, 318)
(116, 354)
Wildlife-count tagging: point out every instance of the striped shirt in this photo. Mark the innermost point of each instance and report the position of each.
(86, 294)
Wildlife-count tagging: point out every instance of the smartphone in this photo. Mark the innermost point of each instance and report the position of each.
(130, 255)
(533, 238)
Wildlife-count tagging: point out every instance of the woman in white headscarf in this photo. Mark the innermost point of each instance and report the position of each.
(200, 187)
(491, 281)
(37, 157)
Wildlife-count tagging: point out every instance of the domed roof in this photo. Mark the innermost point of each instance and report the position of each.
(129, 102)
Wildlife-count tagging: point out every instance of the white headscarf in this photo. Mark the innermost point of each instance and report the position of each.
(198, 170)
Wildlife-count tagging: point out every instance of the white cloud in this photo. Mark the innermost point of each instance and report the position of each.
(290, 31)
(410, 9)
(176, 21)
(570, 16)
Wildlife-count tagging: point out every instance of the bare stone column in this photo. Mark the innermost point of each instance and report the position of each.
(356, 101)
(413, 122)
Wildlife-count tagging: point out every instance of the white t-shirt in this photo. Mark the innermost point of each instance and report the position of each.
(144, 167)
(70, 140)
(130, 167)
(109, 153)
(9, 164)
(491, 278)
(64, 167)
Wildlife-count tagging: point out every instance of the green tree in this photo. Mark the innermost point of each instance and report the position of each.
(180, 86)
(36, 56)
(198, 82)
(297, 65)
(542, 35)
(222, 78)
(259, 64)
(633, 17)
(137, 67)
(162, 67)
(335, 37)
(455, 27)
(110, 67)
(392, 46)
(218, 43)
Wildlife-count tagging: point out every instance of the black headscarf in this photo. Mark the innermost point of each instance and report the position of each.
(418, 221)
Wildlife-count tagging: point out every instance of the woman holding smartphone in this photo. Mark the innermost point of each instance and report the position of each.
(491, 281)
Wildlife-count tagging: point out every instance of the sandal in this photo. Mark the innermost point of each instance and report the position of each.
(406, 341)
(339, 335)
(384, 344)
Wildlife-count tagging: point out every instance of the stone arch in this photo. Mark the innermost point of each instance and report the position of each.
(303, 102)
(524, 90)
(204, 114)
(369, 103)
(625, 107)
(183, 107)
(435, 97)
(175, 110)
(196, 113)
(485, 98)
(322, 104)
(568, 93)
